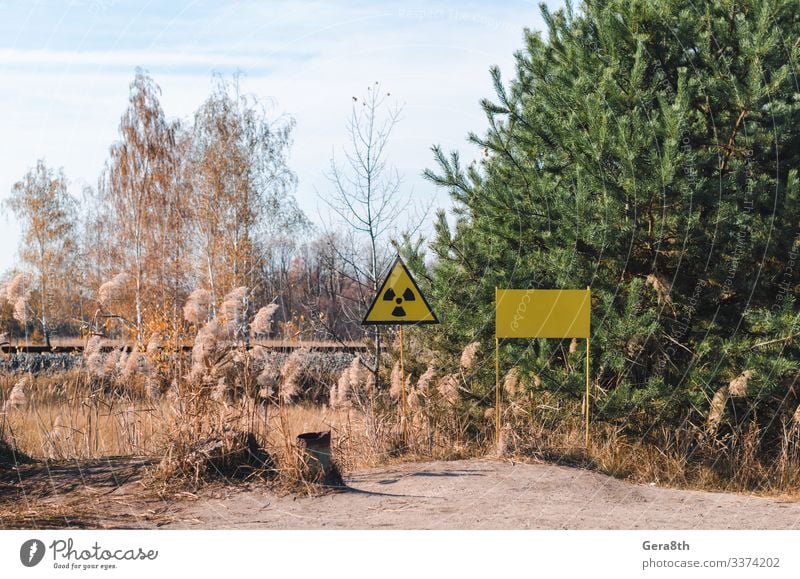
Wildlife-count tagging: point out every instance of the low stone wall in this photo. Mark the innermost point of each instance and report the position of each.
(37, 363)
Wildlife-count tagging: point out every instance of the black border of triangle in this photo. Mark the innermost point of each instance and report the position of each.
(399, 260)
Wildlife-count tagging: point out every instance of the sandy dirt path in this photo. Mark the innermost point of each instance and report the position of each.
(484, 494)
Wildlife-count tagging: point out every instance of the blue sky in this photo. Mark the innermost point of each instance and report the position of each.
(65, 68)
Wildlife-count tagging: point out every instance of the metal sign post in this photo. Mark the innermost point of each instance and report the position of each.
(537, 313)
(400, 302)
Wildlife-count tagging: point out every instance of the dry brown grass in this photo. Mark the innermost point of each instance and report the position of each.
(678, 458)
(59, 423)
(63, 418)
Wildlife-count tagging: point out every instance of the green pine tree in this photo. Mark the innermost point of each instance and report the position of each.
(648, 149)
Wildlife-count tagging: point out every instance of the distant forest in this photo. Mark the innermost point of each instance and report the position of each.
(184, 213)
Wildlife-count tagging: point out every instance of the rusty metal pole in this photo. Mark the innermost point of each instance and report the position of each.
(403, 408)
(497, 409)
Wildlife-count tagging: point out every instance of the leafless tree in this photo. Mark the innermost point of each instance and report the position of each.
(366, 191)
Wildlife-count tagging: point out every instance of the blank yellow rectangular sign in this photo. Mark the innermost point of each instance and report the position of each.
(538, 313)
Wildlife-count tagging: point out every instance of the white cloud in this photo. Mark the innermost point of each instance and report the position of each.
(131, 58)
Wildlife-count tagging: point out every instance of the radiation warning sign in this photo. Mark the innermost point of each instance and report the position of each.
(399, 300)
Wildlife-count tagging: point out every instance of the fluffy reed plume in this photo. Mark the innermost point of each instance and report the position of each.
(448, 388)
(357, 374)
(425, 381)
(537, 381)
(511, 382)
(412, 397)
(17, 399)
(662, 288)
(262, 322)
(135, 365)
(112, 360)
(738, 386)
(573, 346)
(351, 380)
(93, 357)
(259, 353)
(267, 379)
(205, 347)
(233, 308)
(717, 410)
(122, 360)
(395, 382)
(220, 392)
(339, 395)
(197, 308)
(469, 356)
(291, 374)
(796, 416)
(113, 290)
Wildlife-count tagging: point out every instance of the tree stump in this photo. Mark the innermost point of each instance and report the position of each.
(320, 467)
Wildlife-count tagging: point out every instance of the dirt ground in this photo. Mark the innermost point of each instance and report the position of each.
(468, 494)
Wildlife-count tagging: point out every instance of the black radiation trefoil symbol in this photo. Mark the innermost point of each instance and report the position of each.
(399, 300)
(408, 296)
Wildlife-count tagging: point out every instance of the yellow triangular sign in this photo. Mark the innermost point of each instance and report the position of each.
(399, 300)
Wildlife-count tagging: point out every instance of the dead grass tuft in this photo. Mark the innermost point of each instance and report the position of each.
(234, 416)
